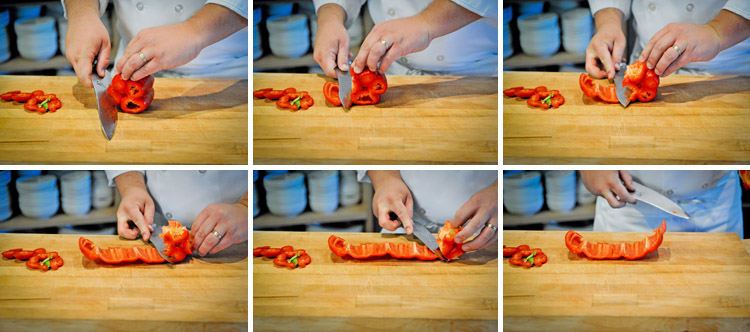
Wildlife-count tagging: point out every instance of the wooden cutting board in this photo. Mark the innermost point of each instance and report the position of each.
(420, 119)
(700, 119)
(335, 294)
(191, 121)
(693, 282)
(202, 293)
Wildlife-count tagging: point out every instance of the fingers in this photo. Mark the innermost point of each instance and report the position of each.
(376, 52)
(132, 213)
(199, 228)
(485, 238)
(384, 220)
(646, 53)
(131, 65)
(123, 229)
(409, 205)
(617, 50)
(612, 200)
(669, 57)
(147, 69)
(604, 56)
(389, 58)
(148, 213)
(343, 55)
(622, 193)
(211, 240)
(103, 60)
(328, 64)
(627, 179)
(83, 71)
(592, 66)
(480, 218)
(657, 53)
(405, 217)
(681, 62)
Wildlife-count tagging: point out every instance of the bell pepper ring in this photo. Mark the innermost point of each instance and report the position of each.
(367, 87)
(132, 96)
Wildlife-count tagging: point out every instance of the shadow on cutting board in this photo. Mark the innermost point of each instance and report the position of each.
(197, 99)
(423, 93)
(685, 92)
(232, 254)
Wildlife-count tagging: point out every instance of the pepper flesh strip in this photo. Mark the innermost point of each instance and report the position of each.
(118, 255)
(577, 245)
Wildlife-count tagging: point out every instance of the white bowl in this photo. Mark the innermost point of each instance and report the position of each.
(537, 22)
(286, 23)
(42, 212)
(561, 205)
(287, 208)
(76, 209)
(282, 181)
(522, 179)
(322, 179)
(39, 54)
(324, 205)
(290, 52)
(526, 209)
(25, 27)
(36, 183)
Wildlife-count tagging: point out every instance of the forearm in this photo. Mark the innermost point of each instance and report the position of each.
(331, 13)
(608, 16)
(730, 28)
(380, 177)
(445, 16)
(128, 181)
(213, 23)
(81, 9)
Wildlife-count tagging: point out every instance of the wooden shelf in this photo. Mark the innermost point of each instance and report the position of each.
(348, 213)
(527, 61)
(270, 61)
(20, 64)
(98, 216)
(584, 212)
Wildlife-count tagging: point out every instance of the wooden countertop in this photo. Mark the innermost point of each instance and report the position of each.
(191, 121)
(694, 281)
(334, 294)
(202, 293)
(693, 120)
(419, 120)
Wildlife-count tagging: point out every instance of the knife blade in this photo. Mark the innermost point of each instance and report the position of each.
(104, 102)
(623, 93)
(345, 87)
(656, 199)
(159, 221)
(424, 235)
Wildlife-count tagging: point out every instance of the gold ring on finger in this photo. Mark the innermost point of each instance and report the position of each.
(679, 51)
(143, 57)
(215, 233)
(385, 43)
(491, 226)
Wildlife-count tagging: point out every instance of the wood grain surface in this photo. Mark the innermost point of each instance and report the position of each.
(693, 282)
(419, 120)
(693, 120)
(191, 121)
(208, 293)
(345, 294)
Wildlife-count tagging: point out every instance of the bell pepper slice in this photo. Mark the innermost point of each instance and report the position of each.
(331, 93)
(140, 87)
(646, 95)
(636, 72)
(651, 81)
(607, 93)
(274, 94)
(130, 104)
(116, 96)
(88, 248)
(24, 254)
(11, 254)
(119, 85)
(149, 255)
(261, 93)
(587, 84)
(512, 91)
(8, 96)
(365, 97)
(525, 93)
(257, 252)
(630, 251)
(22, 97)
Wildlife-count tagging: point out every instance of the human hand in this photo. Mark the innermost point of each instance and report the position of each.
(228, 220)
(392, 195)
(695, 43)
(390, 40)
(332, 41)
(609, 184)
(136, 206)
(607, 45)
(160, 49)
(479, 210)
(86, 38)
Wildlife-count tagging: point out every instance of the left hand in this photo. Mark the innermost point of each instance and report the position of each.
(162, 47)
(402, 36)
(696, 42)
(229, 220)
(481, 208)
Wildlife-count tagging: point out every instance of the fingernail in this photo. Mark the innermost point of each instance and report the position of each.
(355, 69)
(649, 65)
(344, 67)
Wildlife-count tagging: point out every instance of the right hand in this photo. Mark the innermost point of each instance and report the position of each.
(136, 206)
(607, 45)
(331, 48)
(86, 38)
(609, 184)
(392, 195)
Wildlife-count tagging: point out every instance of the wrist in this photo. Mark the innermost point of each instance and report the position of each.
(331, 14)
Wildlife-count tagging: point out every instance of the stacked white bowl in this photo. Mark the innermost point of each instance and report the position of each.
(5, 210)
(539, 34)
(37, 37)
(285, 193)
(507, 35)
(257, 40)
(288, 36)
(324, 191)
(350, 191)
(4, 43)
(102, 195)
(256, 206)
(76, 192)
(38, 196)
(523, 193)
(560, 190)
(577, 30)
(583, 195)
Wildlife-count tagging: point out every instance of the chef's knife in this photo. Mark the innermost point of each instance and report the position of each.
(104, 102)
(661, 202)
(345, 87)
(623, 93)
(425, 236)
(159, 221)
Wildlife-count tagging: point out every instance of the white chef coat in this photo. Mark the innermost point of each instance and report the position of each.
(651, 16)
(182, 195)
(439, 194)
(711, 198)
(226, 58)
(471, 50)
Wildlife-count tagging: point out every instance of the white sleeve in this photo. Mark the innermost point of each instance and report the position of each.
(487, 9)
(362, 177)
(102, 7)
(739, 7)
(622, 5)
(351, 7)
(111, 175)
(240, 7)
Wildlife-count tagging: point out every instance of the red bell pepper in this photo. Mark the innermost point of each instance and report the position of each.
(642, 81)
(537, 97)
(577, 245)
(118, 255)
(11, 254)
(177, 239)
(8, 96)
(45, 261)
(285, 256)
(523, 255)
(331, 93)
(132, 96)
(512, 91)
(367, 87)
